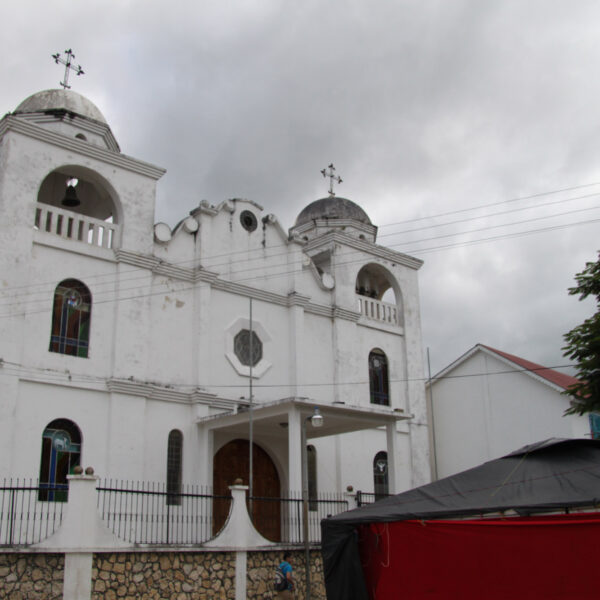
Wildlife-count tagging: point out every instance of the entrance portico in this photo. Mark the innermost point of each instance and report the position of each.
(277, 426)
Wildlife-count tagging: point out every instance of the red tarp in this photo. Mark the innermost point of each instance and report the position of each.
(515, 558)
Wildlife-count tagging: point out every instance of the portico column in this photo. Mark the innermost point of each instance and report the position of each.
(294, 448)
(205, 455)
(392, 455)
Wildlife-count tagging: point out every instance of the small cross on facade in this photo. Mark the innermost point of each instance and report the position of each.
(332, 178)
(68, 66)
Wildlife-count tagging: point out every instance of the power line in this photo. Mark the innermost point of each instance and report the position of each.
(207, 264)
(145, 273)
(59, 376)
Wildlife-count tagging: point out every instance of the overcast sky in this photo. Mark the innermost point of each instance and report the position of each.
(450, 122)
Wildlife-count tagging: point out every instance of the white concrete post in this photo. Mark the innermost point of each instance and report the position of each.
(81, 533)
(392, 454)
(239, 534)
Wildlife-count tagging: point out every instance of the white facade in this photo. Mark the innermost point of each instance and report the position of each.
(166, 307)
(487, 404)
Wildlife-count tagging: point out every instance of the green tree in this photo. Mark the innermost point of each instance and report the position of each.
(583, 345)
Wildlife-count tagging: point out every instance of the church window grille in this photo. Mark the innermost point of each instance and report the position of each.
(248, 220)
(378, 378)
(174, 462)
(241, 347)
(380, 475)
(311, 457)
(71, 315)
(61, 453)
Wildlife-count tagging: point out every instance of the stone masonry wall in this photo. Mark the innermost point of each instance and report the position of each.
(164, 575)
(31, 576)
(261, 571)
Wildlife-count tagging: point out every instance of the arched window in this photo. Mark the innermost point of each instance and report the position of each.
(380, 475)
(174, 460)
(378, 378)
(311, 456)
(71, 315)
(61, 453)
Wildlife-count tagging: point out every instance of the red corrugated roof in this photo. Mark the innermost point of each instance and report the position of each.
(560, 379)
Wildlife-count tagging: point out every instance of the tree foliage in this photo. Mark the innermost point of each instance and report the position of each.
(583, 345)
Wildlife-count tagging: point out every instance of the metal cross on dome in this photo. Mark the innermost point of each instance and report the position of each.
(68, 66)
(332, 178)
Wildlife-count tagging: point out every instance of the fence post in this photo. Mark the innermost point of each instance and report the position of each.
(80, 535)
(240, 535)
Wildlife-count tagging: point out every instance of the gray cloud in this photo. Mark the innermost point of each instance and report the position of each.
(424, 107)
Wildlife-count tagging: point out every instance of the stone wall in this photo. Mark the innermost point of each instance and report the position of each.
(157, 575)
(153, 575)
(31, 576)
(261, 571)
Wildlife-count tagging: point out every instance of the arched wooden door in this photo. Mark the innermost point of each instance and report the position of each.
(231, 462)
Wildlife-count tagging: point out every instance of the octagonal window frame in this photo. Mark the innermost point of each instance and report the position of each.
(263, 365)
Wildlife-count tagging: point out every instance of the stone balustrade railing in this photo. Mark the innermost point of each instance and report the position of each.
(74, 226)
(378, 311)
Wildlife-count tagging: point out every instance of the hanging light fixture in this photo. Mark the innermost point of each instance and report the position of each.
(71, 200)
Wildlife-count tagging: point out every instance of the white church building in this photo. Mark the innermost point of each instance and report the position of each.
(156, 354)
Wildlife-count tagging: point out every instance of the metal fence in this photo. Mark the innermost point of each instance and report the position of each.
(148, 513)
(280, 519)
(363, 498)
(29, 512)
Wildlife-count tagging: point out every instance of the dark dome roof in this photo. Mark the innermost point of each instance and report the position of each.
(332, 207)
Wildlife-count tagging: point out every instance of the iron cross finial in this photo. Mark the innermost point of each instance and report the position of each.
(68, 66)
(332, 178)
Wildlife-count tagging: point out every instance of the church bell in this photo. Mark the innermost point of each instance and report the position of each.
(70, 198)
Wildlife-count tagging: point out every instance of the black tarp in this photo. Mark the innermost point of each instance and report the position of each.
(550, 475)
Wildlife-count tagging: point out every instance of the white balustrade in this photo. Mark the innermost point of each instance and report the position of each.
(377, 310)
(74, 226)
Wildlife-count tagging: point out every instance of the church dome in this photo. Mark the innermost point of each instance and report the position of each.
(52, 100)
(332, 207)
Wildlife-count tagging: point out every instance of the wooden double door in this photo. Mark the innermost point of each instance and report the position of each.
(232, 462)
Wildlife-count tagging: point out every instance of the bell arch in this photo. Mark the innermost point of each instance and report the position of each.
(83, 191)
(377, 283)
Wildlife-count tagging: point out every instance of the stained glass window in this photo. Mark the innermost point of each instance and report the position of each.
(378, 378)
(61, 451)
(380, 475)
(71, 315)
(174, 463)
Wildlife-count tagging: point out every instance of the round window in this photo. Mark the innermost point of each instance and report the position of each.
(248, 220)
(241, 347)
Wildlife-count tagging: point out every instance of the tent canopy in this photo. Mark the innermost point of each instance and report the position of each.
(555, 474)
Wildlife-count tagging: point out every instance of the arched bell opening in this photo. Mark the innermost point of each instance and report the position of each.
(78, 204)
(82, 191)
(379, 294)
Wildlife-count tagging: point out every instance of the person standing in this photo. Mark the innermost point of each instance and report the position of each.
(286, 568)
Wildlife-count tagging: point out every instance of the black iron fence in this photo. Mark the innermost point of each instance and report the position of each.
(363, 498)
(280, 519)
(148, 513)
(29, 511)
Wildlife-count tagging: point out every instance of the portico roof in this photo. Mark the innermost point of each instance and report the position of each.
(272, 418)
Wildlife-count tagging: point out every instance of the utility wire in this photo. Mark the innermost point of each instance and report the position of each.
(145, 273)
(58, 375)
(207, 264)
